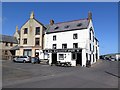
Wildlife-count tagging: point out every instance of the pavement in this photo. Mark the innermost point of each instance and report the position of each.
(103, 74)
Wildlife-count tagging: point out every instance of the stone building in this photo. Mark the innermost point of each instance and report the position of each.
(30, 37)
(7, 46)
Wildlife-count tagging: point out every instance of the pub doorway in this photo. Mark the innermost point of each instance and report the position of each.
(54, 58)
(79, 59)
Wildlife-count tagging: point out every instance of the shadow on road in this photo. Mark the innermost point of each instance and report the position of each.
(112, 74)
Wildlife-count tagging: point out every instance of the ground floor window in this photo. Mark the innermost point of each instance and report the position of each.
(61, 56)
(27, 52)
(73, 56)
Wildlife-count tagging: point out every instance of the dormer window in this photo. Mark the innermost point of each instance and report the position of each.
(67, 26)
(79, 24)
(56, 27)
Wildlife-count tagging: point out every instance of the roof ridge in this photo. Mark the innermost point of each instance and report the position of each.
(72, 20)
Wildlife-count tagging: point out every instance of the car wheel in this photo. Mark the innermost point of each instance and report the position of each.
(23, 61)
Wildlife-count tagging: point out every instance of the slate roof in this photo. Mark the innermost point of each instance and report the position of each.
(6, 38)
(69, 25)
(15, 47)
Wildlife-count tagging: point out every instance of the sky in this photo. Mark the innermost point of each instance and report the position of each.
(104, 17)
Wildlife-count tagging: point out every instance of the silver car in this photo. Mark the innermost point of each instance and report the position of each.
(23, 59)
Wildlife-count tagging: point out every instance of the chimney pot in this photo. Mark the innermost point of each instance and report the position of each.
(90, 15)
(51, 22)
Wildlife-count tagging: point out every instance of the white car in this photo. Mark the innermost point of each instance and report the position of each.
(23, 59)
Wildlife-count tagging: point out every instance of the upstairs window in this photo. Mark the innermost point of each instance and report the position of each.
(37, 31)
(54, 46)
(75, 45)
(11, 44)
(25, 41)
(37, 41)
(6, 44)
(90, 47)
(64, 46)
(90, 35)
(75, 36)
(54, 38)
(25, 30)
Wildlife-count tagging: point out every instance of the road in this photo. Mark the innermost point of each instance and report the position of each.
(103, 74)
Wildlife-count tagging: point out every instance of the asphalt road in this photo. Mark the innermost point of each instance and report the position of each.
(103, 74)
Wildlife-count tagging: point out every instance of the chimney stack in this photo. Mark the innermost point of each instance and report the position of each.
(51, 22)
(89, 15)
(32, 15)
(16, 28)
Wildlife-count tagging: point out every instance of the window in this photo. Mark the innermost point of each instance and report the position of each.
(79, 24)
(75, 45)
(25, 41)
(61, 56)
(73, 56)
(90, 35)
(90, 47)
(18, 40)
(6, 52)
(75, 36)
(25, 30)
(27, 52)
(64, 46)
(11, 44)
(54, 38)
(37, 41)
(6, 44)
(93, 58)
(37, 31)
(54, 46)
(93, 38)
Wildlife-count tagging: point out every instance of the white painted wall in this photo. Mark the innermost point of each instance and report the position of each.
(66, 37)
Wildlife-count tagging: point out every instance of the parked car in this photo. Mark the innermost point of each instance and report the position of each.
(35, 60)
(23, 59)
(113, 59)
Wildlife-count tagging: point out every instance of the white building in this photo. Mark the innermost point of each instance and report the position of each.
(72, 41)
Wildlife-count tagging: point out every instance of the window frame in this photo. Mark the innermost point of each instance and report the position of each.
(6, 43)
(25, 30)
(55, 46)
(63, 46)
(62, 57)
(75, 46)
(54, 37)
(11, 44)
(25, 42)
(37, 39)
(75, 36)
(36, 31)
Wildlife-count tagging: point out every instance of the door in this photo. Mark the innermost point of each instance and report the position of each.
(54, 58)
(79, 59)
